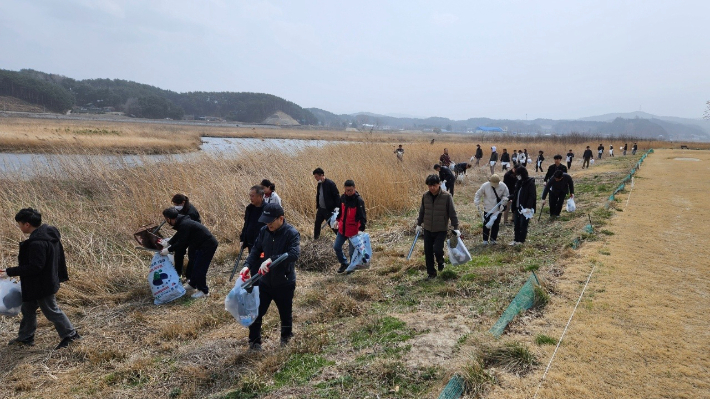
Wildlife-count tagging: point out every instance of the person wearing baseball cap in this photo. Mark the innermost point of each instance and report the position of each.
(278, 285)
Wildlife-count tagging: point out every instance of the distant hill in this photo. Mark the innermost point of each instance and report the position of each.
(59, 93)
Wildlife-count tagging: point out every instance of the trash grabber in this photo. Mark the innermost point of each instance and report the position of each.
(250, 283)
(541, 208)
(412, 248)
(158, 228)
(236, 265)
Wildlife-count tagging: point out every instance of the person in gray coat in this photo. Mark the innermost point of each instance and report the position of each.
(435, 211)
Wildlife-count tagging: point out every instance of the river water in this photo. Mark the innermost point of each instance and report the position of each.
(26, 165)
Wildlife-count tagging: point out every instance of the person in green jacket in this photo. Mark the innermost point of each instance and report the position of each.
(436, 209)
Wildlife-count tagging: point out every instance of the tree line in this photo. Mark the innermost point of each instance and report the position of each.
(59, 94)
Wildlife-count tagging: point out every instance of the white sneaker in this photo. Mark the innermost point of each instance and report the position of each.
(513, 243)
(485, 242)
(493, 242)
(188, 288)
(199, 294)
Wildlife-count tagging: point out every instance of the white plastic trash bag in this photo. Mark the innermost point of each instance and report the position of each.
(571, 207)
(334, 218)
(458, 254)
(242, 304)
(530, 160)
(164, 280)
(10, 297)
(362, 253)
(493, 163)
(591, 160)
(443, 185)
(528, 213)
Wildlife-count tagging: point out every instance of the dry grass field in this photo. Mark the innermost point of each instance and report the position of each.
(382, 332)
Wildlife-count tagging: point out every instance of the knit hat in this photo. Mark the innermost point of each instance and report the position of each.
(493, 148)
(494, 180)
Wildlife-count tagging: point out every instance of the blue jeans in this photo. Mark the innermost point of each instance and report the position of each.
(338, 247)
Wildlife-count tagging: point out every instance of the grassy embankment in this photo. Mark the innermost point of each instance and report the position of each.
(378, 332)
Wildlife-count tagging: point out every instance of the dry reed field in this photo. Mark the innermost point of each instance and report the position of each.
(381, 332)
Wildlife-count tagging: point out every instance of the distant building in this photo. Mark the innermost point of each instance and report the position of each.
(489, 129)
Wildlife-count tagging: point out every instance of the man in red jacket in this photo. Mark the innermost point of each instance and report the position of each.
(41, 268)
(351, 222)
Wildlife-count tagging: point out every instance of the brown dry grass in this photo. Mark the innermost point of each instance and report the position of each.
(640, 330)
(193, 348)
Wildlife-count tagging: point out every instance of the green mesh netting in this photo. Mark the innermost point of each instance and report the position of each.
(522, 301)
(454, 389)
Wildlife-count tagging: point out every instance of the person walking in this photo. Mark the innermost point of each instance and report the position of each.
(555, 167)
(587, 156)
(570, 157)
(558, 187)
(270, 196)
(509, 180)
(514, 159)
(478, 155)
(41, 268)
(351, 222)
(504, 160)
(277, 284)
(491, 193)
(327, 200)
(446, 176)
(184, 207)
(444, 159)
(494, 160)
(522, 159)
(626, 146)
(600, 150)
(435, 211)
(538, 163)
(524, 204)
(400, 153)
(194, 237)
(611, 150)
(252, 213)
(633, 149)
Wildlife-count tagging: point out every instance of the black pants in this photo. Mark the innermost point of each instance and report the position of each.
(521, 227)
(283, 297)
(450, 186)
(321, 215)
(493, 231)
(556, 202)
(200, 264)
(586, 163)
(569, 165)
(434, 247)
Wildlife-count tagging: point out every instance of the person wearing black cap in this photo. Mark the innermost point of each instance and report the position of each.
(327, 200)
(198, 240)
(270, 196)
(252, 213)
(41, 268)
(479, 154)
(446, 175)
(278, 285)
(570, 157)
(555, 167)
(435, 211)
(600, 150)
(351, 222)
(587, 156)
(558, 187)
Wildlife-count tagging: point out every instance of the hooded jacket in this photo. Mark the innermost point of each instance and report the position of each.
(190, 211)
(435, 212)
(273, 244)
(479, 153)
(41, 264)
(525, 195)
(190, 234)
(352, 217)
(562, 187)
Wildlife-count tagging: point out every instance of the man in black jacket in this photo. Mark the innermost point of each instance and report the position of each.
(478, 155)
(587, 156)
(41, 267)
(524, 203)
(555, 167)
(446, 175)
(558, 187)
(327, 200)
(509, 180)
(252, 213)
(279, 284)
(200, 242)
(600, 150)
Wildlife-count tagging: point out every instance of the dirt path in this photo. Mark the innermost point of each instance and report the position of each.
(641, 329)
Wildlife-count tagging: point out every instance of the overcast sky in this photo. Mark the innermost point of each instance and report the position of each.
(462, 59)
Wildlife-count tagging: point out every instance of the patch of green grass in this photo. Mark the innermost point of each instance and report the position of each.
(604, 252)
(607, 232)
(542, 339)
(541, 299)
(476, 378)
(448, 274)
(385, 330)
(532, 267)
(514, 357)
(299, 369)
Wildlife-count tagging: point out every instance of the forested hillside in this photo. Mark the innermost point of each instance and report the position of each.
(59, 94)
